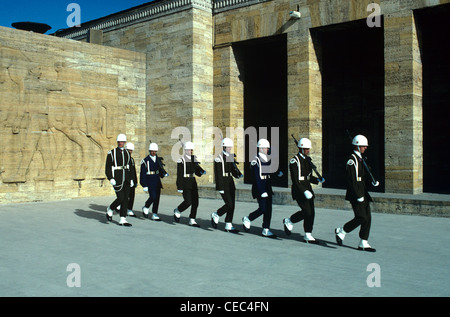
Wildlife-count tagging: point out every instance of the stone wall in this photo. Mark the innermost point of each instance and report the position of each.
(179, 82)
(403, 72)
(191, 78)
(62, 104)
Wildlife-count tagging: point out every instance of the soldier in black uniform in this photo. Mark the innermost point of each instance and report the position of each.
(117, 170)
(301, 176)
(358, 196)
(224, 170)
(187, 168)
(261, 189)
(133, 183)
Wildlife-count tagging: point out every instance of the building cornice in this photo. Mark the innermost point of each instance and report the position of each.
(150, 11)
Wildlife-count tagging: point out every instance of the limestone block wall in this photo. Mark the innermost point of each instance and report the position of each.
(179, 70)
(403, 72)
(62, 104)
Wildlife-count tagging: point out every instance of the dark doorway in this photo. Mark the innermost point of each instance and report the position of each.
(434, 39)
(351, 59)
(264, 74)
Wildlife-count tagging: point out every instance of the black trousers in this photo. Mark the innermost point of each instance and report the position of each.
(265, 209)
(153, 198)
(131, 198)
(228, 197)
(190, 197)
(122, 199)
(362, 218)
(306, 213)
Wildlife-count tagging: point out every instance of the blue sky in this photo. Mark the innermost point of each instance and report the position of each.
(54, 12)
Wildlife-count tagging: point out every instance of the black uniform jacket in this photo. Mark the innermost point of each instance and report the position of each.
(152, 172)
(118, 166)
(356, 185)
(224, 171)
(301, 176)
(187, 168)
(261, 182)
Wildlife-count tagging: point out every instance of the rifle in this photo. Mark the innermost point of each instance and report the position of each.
(374, 182)
(161, 165)
(309, 160)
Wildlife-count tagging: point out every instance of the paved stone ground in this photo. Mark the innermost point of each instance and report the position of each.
(166, 259)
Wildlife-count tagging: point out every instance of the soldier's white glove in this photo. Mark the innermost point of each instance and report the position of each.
(308, 194)
(321, 180)
(180, 191)
(360, 199)
(112, 181)
(145, 189)
(221, 192)
(376, 183)
(167, 174)
(131, 183)
(280, 173)
(264, 195)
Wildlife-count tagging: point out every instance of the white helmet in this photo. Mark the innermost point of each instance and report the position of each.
(121, 138)
(153, 147)
(304, 143)
(263, 143)
(360, 140)
(189, 145)
(129, 146)
(227, 142)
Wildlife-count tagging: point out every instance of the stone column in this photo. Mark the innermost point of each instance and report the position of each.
(202, 90)
(403, 105)
(304, 93)
(229, 96)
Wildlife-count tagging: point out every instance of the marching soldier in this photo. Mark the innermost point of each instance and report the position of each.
(224, 170)
(301, 176)
(117, 170)
(358, 196)
(187, 168)
(152, 171)
(261, 189)
(130, 148)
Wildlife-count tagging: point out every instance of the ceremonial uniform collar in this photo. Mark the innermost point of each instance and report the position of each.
(358, 154)
(263, 156)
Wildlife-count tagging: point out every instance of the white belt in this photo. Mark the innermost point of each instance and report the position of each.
(152, 172)
(120, 167)
(265, 176)
(302, 178)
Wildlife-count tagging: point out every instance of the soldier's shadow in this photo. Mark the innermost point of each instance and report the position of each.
(300, 238)
(203, 224)
(96, 212)
(294, 236)
(89, 214)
